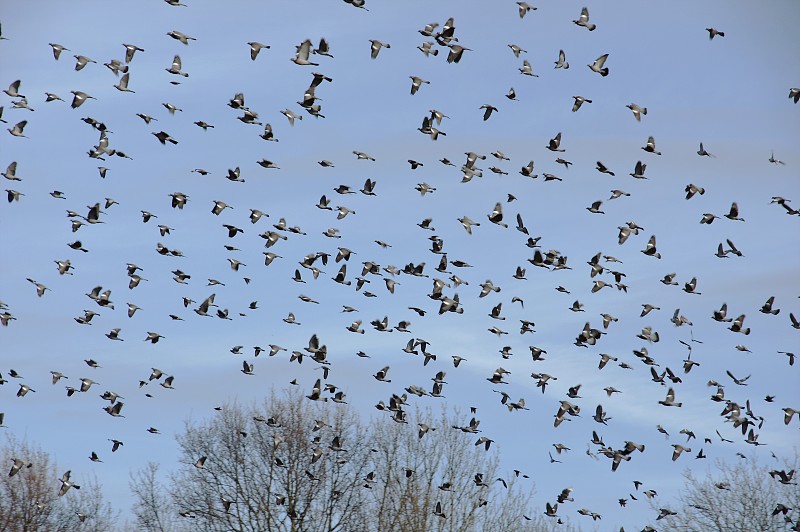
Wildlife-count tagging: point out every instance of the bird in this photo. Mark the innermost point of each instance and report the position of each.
(181, 37)
(57, 49)
(766, 308)
(456, 52)
(122, 86)
(116, 66)
(670, 400)
(164, 137)
(598, 67)
(524, 8)
(496, 216)
(24, 389)
(290, 116)
(18, 128)
(595, 207)
(516, 49)
(303, 51)
(650, 249)
(637, 111)
(713, 32)
(66, 484)
(555, 143)
(603, 170)
(81, 61)
(691, 286)
(375, 47)
(428, 49)
(737, 325)
(678, 449)
(773, 160)
(562, 60)
(416, 83)
(130, 50)
(703, 153)
(579, 101)
(583, 20)
(176, 67)
(488, 110)
(650, 147)
(638, 171)
(733, 214)
(256, 47)
(691, 190)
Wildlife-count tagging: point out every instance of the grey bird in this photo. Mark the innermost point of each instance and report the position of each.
(176, 67)
(416, 83)
(598, 67)
(496, 216)
(375, 47)
(123, 84)
(516, 49)
(527, 70)
(579, 101)
(555, 143)
(650, 249)
(182, 37)
(11, 172)
(488, 110)
(562, 60)
(164, 137)
(733, 214)
(17, 467)
(66, 484)
(81, 61)
(524, 7)
(57, 49)
(595, 207)
(456, 52)
(603, 169)
(302, 53)
(290, 116)
(692, 189)
(638, 171)
(703, 153)
(256, 47)
(637, 111)
(323, 48)
(130, 50)
(18, 129)
(427, 48)
(13, 90)
(650, 147)
(583, 20)
(670, 400)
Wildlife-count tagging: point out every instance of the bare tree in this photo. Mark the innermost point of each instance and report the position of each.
(414, 474)
(152, 508)
(739, 497)
(291, 464)
(282, 466)
(29, 498)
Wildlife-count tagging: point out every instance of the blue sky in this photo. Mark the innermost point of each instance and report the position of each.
(729, 93)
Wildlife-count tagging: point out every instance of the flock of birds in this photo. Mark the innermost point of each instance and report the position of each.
(445, 278)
